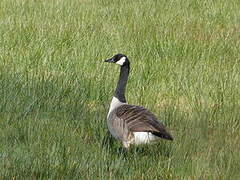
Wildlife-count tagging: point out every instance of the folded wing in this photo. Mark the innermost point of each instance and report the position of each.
(139, 119)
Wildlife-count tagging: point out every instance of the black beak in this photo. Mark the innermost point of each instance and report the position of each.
(109, 60)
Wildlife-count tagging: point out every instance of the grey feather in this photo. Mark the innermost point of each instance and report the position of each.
(126, 119)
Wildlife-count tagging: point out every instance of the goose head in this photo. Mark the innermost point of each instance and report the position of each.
(119, 59)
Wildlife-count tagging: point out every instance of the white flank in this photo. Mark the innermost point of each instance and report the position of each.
(121, 61)
(144, 137)
(114, 104)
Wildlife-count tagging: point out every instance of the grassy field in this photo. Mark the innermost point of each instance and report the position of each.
(55, 90)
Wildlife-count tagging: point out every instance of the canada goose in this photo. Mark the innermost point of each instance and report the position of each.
(129, 123)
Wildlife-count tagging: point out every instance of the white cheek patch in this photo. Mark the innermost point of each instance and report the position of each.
(121, 61)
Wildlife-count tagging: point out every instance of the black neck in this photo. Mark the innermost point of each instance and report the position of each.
(122, 82)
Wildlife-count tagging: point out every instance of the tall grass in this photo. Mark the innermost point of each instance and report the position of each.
(55, 90)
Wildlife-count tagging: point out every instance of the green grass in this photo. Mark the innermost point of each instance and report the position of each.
(55, 90)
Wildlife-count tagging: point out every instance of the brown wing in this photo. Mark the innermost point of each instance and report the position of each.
(139, 119)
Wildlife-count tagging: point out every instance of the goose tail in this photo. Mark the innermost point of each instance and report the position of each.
(164, 135)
